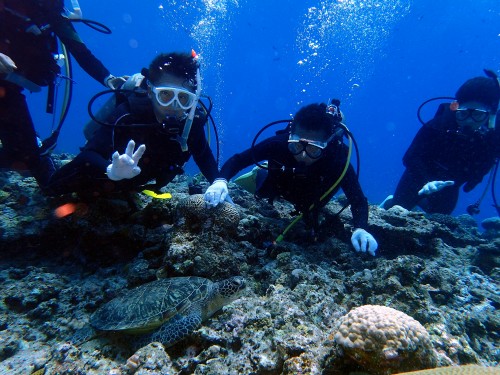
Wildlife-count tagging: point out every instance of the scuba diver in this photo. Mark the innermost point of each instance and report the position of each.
(306, 165)
(163, 117)
(456, 148)
(28, 45)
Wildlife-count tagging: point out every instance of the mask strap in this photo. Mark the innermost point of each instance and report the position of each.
(493, 117)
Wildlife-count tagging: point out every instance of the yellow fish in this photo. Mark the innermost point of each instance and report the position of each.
(156, 195)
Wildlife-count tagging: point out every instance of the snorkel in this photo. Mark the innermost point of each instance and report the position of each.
(76, 14)
(189, 121)
(493, 117)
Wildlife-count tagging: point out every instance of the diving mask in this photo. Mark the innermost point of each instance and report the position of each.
(313, 149)
(174, 96)
(477, 115)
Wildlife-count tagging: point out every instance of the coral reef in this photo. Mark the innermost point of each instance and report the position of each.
(56, 271)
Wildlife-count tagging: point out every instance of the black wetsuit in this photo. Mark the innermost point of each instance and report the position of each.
(162, 160)
(439, 152)
(302, 186)
(33, 56)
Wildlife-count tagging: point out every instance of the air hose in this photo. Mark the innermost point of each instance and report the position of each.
(335, 184)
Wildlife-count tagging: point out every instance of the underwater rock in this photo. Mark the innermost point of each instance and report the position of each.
(492, 227)
(492, 223)
(488, 256)
(149, 360)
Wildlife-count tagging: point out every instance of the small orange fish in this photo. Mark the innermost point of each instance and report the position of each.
(64, 210)
(79, 209)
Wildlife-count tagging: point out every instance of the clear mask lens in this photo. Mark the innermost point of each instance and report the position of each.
(313, 149)
(174, 96)
(477, 115)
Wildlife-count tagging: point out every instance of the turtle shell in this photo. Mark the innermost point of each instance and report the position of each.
(148, 306)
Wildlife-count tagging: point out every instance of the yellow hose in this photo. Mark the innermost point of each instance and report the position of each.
(348, 161)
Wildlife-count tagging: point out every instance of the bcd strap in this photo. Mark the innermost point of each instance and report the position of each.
(50, 98)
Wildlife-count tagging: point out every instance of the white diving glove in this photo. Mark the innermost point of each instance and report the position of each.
(217, 193)
(364, 241)
(7, 65)
(125, 165)
(114, 82)
(434, 186)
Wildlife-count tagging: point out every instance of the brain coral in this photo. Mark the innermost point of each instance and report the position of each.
(458, 370)
(195, 211)
(382, 340)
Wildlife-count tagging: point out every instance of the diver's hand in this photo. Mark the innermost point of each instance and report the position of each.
(114, 82)
(125, 165)
(434, 186)
(217, 193)
(7, 65)
(364, 241)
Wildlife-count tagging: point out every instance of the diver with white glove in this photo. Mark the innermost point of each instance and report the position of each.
(434, 187)
(7, 65)
(217, 193)
(364, 241)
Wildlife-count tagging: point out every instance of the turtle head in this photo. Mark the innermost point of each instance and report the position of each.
(224, 292)
(231, 288)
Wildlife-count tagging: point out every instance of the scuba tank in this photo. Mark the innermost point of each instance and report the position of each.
(64, 59)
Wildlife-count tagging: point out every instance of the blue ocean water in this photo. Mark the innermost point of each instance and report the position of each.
(263, 60)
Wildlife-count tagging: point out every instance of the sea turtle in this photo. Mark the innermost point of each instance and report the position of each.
(164, 310)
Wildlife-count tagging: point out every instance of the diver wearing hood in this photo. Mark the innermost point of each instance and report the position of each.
(164, 120)
(306, 165)
(456, 148)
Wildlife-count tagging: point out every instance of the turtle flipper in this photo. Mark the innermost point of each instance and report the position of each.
(175, 329)
(83, 335)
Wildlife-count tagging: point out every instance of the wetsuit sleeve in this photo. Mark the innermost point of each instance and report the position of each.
(202, 154)
(87, 171)
(261, 151)
(359, 204)
(69, 37)
(417, 156)
(429, 141)
(480, 171)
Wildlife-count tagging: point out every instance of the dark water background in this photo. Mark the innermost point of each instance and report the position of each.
(263, 60)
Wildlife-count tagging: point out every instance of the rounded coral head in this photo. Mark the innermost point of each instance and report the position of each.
(382, 338)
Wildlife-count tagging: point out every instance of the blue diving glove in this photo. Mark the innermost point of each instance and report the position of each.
(434, 186)
(364, 241)
(125, 165)
(217, 193)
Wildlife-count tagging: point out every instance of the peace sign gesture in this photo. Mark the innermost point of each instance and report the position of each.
(125, 165)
